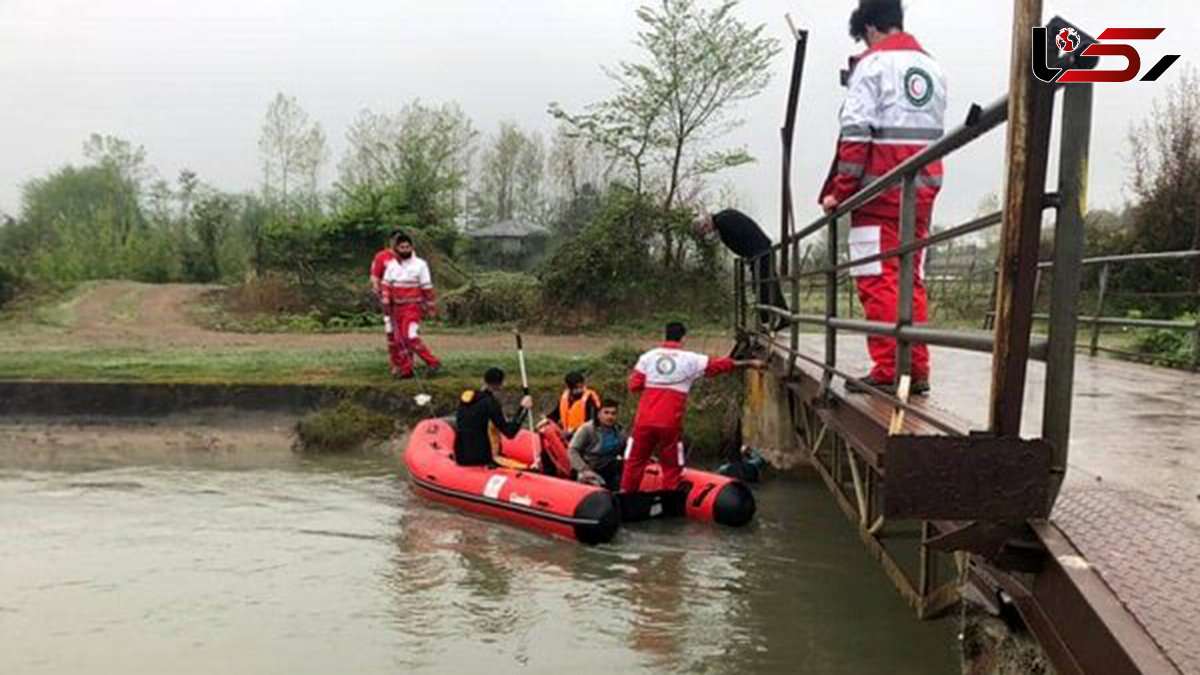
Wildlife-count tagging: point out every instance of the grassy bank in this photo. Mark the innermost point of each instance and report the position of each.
(265, 366)
(710, 419)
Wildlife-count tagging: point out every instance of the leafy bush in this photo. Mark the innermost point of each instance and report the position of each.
(9, 284)
(273, 304)
(268, 294)
(1166, 346)
(634, 260)
(341, 428)
(497, 297)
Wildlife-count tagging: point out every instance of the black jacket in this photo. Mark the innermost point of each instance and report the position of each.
(741, 234)
(476, 410)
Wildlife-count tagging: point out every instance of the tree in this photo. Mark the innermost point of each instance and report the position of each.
(510, 180)
(1166, 179)
(575, 164)
(127, 164)
(128, 160)
(578, 173)
(701, 62)
(420, 158)
(293, 150)
(212, 216)
(670, 106)
(625, 127)
(76, 222)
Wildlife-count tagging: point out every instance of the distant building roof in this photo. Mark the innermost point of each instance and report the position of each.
(512, 229)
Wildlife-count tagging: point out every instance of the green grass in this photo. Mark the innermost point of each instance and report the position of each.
(241, 366)
(355, 368)
(46, 305)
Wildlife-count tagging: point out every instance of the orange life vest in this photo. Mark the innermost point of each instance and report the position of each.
(572, 414)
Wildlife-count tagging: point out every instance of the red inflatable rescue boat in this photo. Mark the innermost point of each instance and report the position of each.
(703, 495)
(565, 508)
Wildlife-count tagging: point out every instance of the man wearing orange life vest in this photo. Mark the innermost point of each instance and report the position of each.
(577, 404)
(664, 376)
(405, 290)
(895, 106)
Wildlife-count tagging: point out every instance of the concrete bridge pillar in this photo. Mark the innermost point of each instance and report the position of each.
(767, 420)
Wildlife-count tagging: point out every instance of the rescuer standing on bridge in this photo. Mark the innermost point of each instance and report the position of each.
(895, 106)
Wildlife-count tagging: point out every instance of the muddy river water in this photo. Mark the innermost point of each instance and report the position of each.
(332, 565)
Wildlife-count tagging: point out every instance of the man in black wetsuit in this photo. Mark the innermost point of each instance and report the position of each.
(480, 421)
(745, 239)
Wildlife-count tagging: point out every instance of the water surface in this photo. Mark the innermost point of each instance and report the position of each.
(333, 565)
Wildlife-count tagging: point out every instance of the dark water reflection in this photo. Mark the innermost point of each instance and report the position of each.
(334, 566)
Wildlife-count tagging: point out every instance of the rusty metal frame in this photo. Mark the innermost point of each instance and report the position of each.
(1083, 627)
(839, 442)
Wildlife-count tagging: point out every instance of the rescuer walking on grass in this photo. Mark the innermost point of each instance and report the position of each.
(895, 106)
(406, 293)
(378, 264)
(664, 376)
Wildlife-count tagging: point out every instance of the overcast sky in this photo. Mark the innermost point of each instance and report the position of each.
(191, 80)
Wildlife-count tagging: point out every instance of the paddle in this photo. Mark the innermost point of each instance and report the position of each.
(537, 449)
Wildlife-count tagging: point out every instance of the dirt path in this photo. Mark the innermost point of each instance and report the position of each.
(124, 314)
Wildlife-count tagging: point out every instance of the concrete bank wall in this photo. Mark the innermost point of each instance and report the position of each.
(767, 421)
(125, 399)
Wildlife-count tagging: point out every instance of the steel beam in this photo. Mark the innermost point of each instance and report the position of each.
(1068, 273)
(1083, 627)
(787, 217)
(1031, 105)
(904, 297)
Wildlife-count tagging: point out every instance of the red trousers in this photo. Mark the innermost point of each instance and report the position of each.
(403, 322)
(879, 294)
(653, 440)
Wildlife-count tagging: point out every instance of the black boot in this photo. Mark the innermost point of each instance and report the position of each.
(864, 384)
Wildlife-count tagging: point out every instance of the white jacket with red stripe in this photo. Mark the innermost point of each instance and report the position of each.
(406, 281)
(664, 375)
(895, 106)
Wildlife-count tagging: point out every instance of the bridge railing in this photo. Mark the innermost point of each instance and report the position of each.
(1057, 348)
(1097, 320)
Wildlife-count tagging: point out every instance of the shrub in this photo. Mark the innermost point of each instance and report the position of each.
(9, 284)
(267, 294)
(634, 260)
(341, 428)
(497, 297)
(1166, 346)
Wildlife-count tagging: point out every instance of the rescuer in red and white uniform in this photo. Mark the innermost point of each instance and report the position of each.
(377, 266)
(895, 106)
(405, 290)
(664, 376)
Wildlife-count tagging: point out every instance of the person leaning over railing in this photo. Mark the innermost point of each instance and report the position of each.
(741, 235)
(895, 106)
